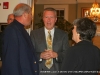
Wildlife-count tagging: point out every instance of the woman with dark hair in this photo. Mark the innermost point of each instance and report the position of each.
(83, 58)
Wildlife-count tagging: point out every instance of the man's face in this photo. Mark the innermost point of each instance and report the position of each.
(28, 18)
(49, 18)
(10, 19)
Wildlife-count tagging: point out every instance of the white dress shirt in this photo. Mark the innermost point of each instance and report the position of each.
(46, 34)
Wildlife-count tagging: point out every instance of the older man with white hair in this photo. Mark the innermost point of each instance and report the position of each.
(19, 56)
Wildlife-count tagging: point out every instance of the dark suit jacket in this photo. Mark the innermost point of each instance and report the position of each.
(18, 52)
(60, 45)
(1, 34)
(84, 56)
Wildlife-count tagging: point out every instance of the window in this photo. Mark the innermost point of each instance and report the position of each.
(62, 10)
(60, 13)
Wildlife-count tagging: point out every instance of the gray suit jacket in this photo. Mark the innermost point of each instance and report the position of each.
(60, 45)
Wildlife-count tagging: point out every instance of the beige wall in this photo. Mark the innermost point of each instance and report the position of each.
(71, 13)
(96, 41)
(37, 9)
(4, 12)
(80, 6)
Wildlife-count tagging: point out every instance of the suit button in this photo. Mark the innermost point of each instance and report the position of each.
(35, 62)
(35, 71)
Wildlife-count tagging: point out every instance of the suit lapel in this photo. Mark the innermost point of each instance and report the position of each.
(56, 37)
(27, 39)
(24, 34)
(43, 38)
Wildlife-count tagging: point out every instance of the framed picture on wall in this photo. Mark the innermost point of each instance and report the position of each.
(3, 26)
(85, 11)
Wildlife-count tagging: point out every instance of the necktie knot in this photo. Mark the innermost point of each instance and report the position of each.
(49, 32)
(49, 35)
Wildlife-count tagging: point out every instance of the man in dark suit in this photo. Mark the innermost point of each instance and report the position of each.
(59, 43)
(0, 45)
(18, 51)
(83, 58)
(9, 20)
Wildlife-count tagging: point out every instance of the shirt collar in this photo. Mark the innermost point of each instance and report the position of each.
(46, 31)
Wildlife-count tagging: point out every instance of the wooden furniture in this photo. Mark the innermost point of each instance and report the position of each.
(96, 39)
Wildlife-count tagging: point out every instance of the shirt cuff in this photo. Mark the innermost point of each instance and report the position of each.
(56, 59)
(40, 59)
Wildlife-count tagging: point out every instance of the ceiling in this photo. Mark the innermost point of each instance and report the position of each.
(64, 1)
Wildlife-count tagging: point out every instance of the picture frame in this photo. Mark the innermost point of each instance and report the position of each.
(3, 26)
(83, 10)
(84, 13)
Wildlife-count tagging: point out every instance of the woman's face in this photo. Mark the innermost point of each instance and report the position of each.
(75, 35)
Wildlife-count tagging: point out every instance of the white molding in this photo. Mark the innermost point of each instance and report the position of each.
(65, 7)
(64, 1)
(23, 1)
(54, 2)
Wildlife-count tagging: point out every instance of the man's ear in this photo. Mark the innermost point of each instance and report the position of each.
(24, 15)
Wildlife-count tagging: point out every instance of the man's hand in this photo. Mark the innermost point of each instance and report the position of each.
(52, 54)
(47, 54)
